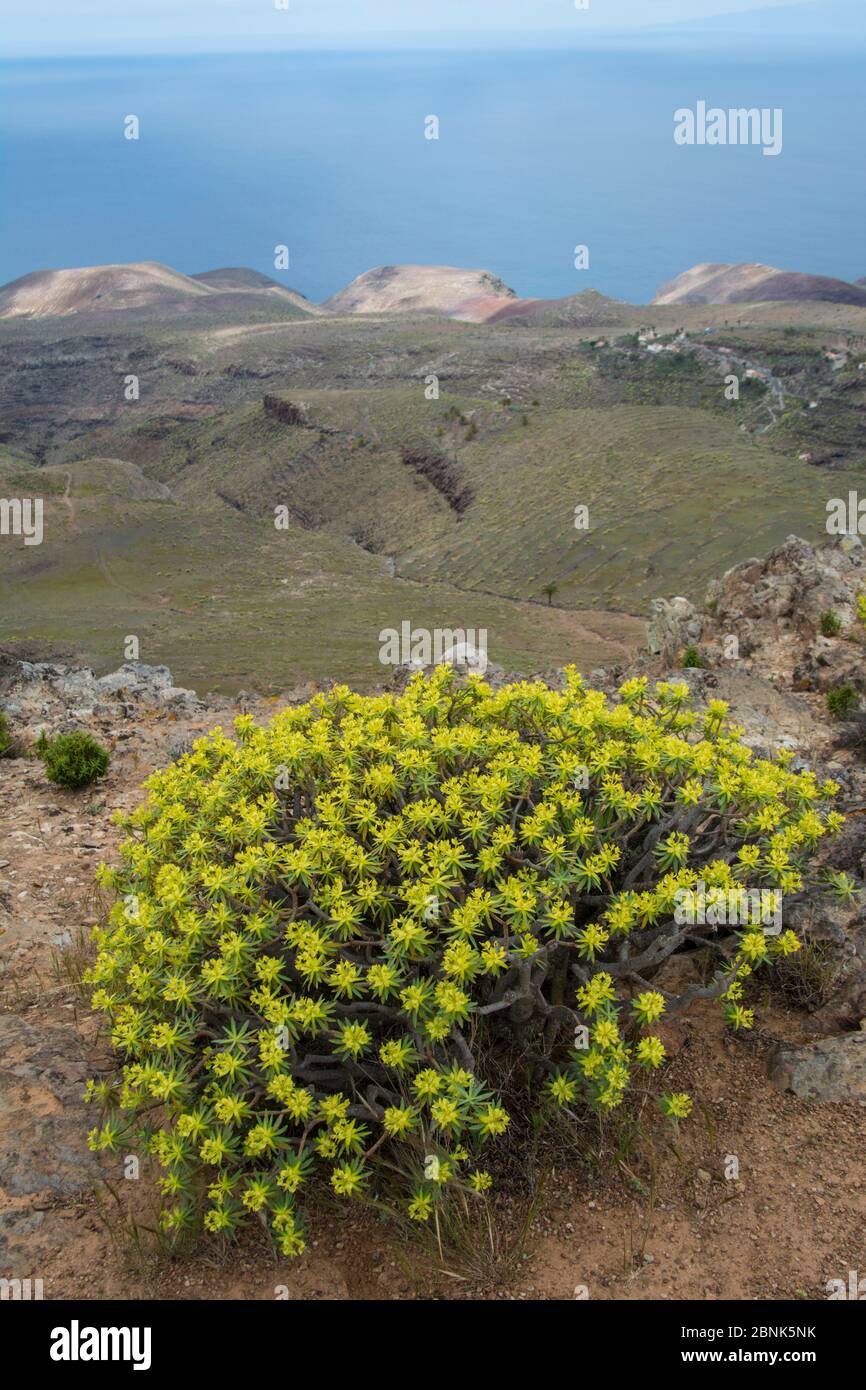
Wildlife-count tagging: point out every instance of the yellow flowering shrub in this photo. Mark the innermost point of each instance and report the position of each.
(325, 928)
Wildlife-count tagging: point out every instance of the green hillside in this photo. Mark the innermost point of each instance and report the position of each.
(228, 601)
(456, 511)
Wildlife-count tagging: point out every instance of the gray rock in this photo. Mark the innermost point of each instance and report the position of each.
(673, 624)
(43, 1119)
(833, 1069)
(176, 694)
(59, 694)
(135, 677)
(840, 930)
(828, 663)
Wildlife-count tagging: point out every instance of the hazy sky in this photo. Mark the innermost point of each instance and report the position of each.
(103, 25)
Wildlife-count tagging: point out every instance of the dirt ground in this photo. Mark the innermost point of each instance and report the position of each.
(760, 1196)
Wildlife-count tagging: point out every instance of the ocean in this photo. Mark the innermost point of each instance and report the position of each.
(325, 153)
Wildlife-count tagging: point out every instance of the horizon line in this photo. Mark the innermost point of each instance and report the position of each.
(542, 40)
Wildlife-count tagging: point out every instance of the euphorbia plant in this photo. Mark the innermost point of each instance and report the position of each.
(325, 929)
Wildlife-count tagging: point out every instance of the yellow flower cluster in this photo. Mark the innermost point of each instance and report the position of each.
(323, 928)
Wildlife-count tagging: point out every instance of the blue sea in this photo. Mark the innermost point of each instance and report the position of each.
(538, 152)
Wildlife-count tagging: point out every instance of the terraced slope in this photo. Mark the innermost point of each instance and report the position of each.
(462, 491)
(227, 600)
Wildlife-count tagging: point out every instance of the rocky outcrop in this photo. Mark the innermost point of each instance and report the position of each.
(794, 584)
(46, 695)
(674, 624)
(765, 616)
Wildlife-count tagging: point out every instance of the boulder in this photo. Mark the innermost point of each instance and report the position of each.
(137, 681)
(833, 1069)
(828, 662)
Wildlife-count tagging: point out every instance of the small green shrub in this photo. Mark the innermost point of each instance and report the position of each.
(843, 701)
(831, 624)
(332, 935)
(691, 658)
(72, 760)
(5, 736)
